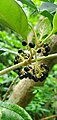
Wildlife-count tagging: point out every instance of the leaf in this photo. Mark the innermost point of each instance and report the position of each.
(44, 27)
(29, 3)
(47, 14)
(15, 109)
(48, 6)
(12, 15)
(55, 23)
(48, 0)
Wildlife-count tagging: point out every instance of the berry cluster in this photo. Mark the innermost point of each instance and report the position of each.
(44, 49)
(29, 71)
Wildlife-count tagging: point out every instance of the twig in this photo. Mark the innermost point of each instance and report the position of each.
(10, 88)
(46, 118)
(13, 67)
(46, 57)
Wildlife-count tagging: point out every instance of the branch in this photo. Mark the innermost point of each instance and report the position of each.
(46, 118)
(14, 67)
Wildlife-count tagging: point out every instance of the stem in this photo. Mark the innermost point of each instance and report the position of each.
(36, 38)
(53, 116)
(13, 67)
(10, 88)
(46, 57)
(10, 51)
(51, 33)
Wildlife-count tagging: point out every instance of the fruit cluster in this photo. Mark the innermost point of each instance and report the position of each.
(30, 73)
(44, 49)
(38, 72)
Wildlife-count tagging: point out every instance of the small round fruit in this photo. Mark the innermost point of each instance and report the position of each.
(45, 54)
(46, 67)
(21, 76)
(31, 45)
(42, 65)
(45, 74)
(47, 48)
(26, 68)
(45, 44)
(39, 51)
(20, 51)
(24, 43)
(26, 75)
(15, 62)
(29, 75)
(35, 78)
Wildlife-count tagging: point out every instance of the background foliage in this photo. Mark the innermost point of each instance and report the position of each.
(44, 102)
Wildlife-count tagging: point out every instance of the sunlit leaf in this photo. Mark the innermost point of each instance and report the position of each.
(13, 112)
(12, 15)
(44, 27)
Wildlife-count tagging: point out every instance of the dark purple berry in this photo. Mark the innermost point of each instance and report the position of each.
(26, 68)
(47, 48)
(35, 78)
(31, 45)
(20, 51)
(42, 65)
(46, 67)
(45, 44)
(26, 75)
(39, 51)
(41, 78)
(24, 43)
(29, 75)
(15, 62)
(45, 54)
(45, 74)
(21, 76)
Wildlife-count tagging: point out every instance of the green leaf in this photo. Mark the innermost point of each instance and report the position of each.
(12, 15)
(29, 3)
(47, 14)
(48, 0)
(44, 27)
(17, 110)
(48, 6)
(55, 23)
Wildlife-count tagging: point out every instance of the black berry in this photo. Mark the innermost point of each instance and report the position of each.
(29, 75)
(15, 62)
(47, 48)
(24, 43)
(31, 45)
(42, 65)
(26, 75)
(45, 74)
(21, 76)
(46, 67)
(45, 44)
(26, 68)
(45, 54)
(39, 51)
(35, 78)
(20, 51)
